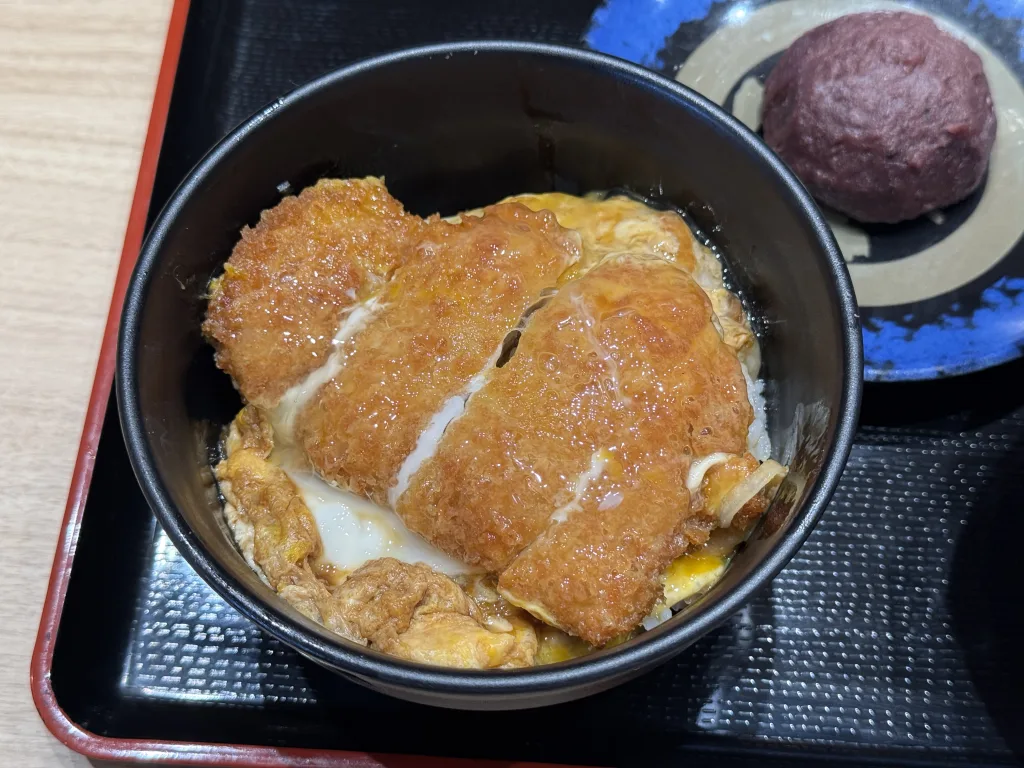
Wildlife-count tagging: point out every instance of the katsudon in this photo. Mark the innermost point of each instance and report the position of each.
(503, 438)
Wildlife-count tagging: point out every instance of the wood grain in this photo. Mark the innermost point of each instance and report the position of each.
(76, 82)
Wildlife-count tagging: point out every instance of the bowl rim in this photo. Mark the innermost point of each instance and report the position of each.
(604, 665)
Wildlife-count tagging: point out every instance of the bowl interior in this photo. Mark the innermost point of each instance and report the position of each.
(458, 128)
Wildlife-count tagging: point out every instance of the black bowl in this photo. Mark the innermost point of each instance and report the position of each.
(454, 127)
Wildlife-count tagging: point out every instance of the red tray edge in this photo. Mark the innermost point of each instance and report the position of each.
(66, 730)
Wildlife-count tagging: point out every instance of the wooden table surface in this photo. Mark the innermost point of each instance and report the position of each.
(76, 81)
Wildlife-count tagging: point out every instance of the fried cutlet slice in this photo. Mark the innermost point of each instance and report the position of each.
(444, 316)
(273, 313)
(531, 433)
(408, 610)
(568, 469)
(596, 570)
(599, 570)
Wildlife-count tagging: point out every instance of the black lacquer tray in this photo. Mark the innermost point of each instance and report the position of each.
(890, 639)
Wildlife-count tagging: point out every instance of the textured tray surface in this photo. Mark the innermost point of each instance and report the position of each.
(888, 637)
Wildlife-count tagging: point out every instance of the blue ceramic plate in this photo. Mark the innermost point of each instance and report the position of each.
(940, 295)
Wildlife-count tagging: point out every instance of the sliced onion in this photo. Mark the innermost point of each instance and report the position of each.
(699, 468)
(747, 489)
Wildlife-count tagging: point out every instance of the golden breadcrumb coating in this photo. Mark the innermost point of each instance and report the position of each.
(445, 314)
(621, 378)
(274, 311)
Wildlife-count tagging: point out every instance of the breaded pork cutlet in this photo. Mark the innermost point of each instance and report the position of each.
(443, 317)
(568, 470)
(273, 313)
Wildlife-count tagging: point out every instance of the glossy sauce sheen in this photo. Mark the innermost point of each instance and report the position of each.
(605, 370)
(446, 312)
(273, 313)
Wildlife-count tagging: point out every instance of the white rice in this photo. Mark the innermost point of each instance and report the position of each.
(758, 442)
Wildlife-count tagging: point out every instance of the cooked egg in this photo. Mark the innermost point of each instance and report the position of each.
(686, 578)
(694, 573)
(691, 574)
(554, 645)
(354, 530)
